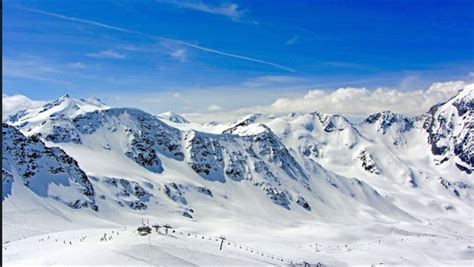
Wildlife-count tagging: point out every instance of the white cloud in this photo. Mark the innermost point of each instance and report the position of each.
(230, 10)
(363, 101)
(410, 82)
(264, 62)
(107, 54)
(177, 94)
(214, 107)
(349, 101)
(77, 65)
(227, 103)
(179, 54)
(292, 41)
(84, 21)
(31, 68)
(15, 103)
(450, 88)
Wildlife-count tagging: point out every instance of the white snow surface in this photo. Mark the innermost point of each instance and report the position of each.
(299, 188)
(173, 117)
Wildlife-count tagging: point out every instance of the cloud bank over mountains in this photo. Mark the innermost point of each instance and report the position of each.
(15, 103)
(361, 100)
(348, 101)
(207, 106)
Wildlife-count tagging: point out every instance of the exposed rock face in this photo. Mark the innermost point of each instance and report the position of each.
(368, 163)
(276, 195)
(176, 193)
(29, 161)
(268, 146)
(205, 155)
(205, 191)
(130, 193)
(263, 169)
(303, 203)
(248, 155)
(450, 128)
(331, 122)
(147, 135)
(236, 167)
(61, 134)
(385, 120)
(7, 181)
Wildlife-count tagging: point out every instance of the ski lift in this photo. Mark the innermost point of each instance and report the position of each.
(144, 230)
(156, 226)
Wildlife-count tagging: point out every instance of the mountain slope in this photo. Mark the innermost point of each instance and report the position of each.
(450, 129)
(48, 172)
(390, 152)
(248, 156)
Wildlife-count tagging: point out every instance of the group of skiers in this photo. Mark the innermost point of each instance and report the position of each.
(110, 237)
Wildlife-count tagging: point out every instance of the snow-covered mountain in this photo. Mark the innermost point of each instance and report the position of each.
(42, 120)
(245, 154)
(64, 106)
(47, 171)
(295, 169)
(450, 130)
(391, 152)
(174, 117)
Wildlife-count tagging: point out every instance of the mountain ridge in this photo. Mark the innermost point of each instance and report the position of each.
(317, 164)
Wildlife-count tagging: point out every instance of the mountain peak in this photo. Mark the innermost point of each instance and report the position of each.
(62, 99)
(385, 115)
(248, 119)
(385, 119)
(464, 100)
(172, 116)
(65, 106)
(67, 102)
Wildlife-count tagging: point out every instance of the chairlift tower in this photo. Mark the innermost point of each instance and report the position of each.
(222, 238)
(157, 227)
(167, 226)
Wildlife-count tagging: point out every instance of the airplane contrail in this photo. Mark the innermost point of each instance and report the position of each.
(202, 48)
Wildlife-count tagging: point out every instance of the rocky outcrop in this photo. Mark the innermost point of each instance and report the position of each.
(29, 161)
(368, 163)
(148, 136)
(386, 120)
(205, 155)
(303, 203)
(450, 128)
(130, 193)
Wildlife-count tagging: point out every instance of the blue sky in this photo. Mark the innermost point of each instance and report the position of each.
(210, 49)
